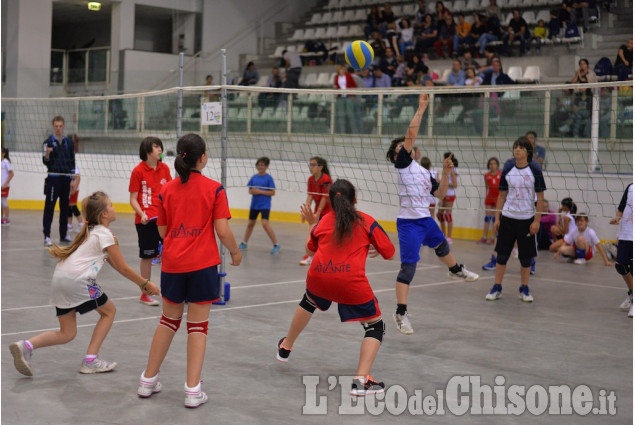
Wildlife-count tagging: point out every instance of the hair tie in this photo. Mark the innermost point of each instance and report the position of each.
(181, 154)
(85, 221)
(338, 193)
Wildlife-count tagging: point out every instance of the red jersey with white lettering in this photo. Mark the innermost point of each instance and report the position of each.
(492, 181)
(189, 210)
(338, 271)
(316, 188)
(148, 182)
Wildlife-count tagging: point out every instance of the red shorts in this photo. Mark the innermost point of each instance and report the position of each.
(450, 198)
(5, 192)
(490, 202)
(589, 253)
(73, 198)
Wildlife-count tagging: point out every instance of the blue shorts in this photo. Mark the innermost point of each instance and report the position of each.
(200, 286)
(416, 232)
(349, 312)
(253, 214)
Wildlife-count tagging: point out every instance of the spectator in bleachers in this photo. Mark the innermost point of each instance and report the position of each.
(490, 55)
(540, 153)
(392, 37)
(457, 76)
(387, 15)
(564, 13)
(270, 99)
(555, 25)
(293, 64)
(492, 33)
(493, 11)
(516, 30)
(440, 11)
(462, 35)
(212, 96)
(414, 68)
(373, 22)
(380, 80)
(427, 36)
(471, 78)
(447, 31)
(496, 77)
(379, 47)
(388, 63)
(477, 29)
(584, 75)
(399, 77)
(467, 61)
(406, 36)
(345, 104)
(624, 62)
(420, 14)
(367, 77)
(540, 33)
(586, 8)
(250, 75)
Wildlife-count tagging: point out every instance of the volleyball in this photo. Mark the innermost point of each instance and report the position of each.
(359, 55)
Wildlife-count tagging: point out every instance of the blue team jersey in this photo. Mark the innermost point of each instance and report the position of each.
(261, 202)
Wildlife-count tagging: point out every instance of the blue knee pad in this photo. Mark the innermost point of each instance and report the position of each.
(624, 269)
(406, 273)
(487, 218)
(580, 253)
(525, 262)
(375, 330)
(443, 249)
(502, 259)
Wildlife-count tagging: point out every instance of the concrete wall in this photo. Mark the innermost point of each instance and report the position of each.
(376, 189)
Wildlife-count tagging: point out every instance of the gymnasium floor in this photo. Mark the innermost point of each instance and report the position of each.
(573, 334)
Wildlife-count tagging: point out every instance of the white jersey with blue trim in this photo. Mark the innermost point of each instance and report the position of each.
(414, 184)
(521, 185)
(626, 223)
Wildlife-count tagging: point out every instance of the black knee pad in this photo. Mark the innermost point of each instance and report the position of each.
(375, 330)
(307, 304)
(525, 262)
(623, 269)
(502, 259)
(406, 273)
(443, 249)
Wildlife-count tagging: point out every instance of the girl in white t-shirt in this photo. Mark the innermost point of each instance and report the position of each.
(75, 288)
(427, 164)
(7, 175)
(445, 205)
(565, 225)
(580, 243)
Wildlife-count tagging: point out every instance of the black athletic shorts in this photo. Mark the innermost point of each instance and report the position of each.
(85, 307)
(149, 239)
(513, 230)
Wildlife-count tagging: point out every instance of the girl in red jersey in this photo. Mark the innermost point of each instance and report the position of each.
(191, 208)
(492, 179)
(146, 182)
(317, 191)
(341, 241)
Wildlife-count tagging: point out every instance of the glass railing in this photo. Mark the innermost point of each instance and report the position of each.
(80, 66)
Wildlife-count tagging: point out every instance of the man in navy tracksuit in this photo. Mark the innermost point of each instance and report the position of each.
(59, 158)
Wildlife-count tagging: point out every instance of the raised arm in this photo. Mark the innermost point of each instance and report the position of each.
(413, 128)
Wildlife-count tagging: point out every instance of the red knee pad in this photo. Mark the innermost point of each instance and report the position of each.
(448, 217)
(171, 324)
(441, 216)
(197, 327)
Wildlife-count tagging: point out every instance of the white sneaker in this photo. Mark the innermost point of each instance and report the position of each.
(79, 227)
(22, 357)
(69, 226)
(306, 261)
(47, 241)
(464, 274)
(194, 397)
(626, 304)
(579, 261)
(524, 294)
(97, 366)
(403, 323)
(148, 386)
(494, 293)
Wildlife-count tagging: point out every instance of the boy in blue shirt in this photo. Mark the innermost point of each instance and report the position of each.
(262, 188)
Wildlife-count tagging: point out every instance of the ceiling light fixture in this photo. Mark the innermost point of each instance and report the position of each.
(94, 6)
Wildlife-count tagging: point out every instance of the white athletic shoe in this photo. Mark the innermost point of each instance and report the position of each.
(148, 386)
(306, 260)
(494, 293)
(626, 304)
(579, 261)
(524, 294)
(464, 274)
(403, 323)
(194, 397)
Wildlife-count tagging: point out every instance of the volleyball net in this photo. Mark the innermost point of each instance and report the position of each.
(587, 131)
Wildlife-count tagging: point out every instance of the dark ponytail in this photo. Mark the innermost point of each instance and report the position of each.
(189, 149)
(342, 196)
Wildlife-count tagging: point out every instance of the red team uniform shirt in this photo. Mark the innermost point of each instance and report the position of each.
(189, 210)
(492, 187)
(148, 182)
(316, 188)
(338, 272)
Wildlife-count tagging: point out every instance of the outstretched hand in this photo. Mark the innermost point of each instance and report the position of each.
(423, 100)
(308, 215)
(448, 164)
(151, 289)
